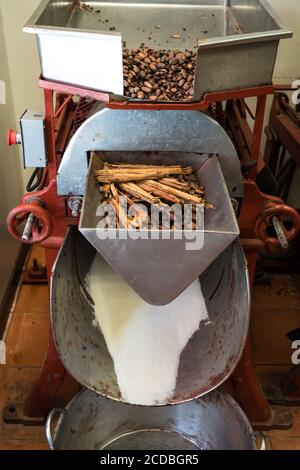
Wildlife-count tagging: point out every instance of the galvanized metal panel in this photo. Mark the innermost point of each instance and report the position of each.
(177, 131)
(253, 64)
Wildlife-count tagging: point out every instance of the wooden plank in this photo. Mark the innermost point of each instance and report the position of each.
(296, 279)
(270, 298)
(268, 443)
(15, 385)
(282, 294)
(23, 445)
(294, 432)
(10, 292)
(33, 299)
(27, 339)
(270, 373)
(268, 331)
(264, 371)
(285, 443)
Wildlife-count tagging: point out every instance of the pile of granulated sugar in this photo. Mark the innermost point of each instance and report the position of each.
(145, 342)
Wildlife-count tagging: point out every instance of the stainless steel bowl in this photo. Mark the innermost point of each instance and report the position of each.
(93, 423)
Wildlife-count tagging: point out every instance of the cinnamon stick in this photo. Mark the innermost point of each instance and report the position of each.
(126, 166)
(176, 192)
(120, 212)
(114, 191)
(130, 175)
(160, 193)
(136, 191)
(174, 183)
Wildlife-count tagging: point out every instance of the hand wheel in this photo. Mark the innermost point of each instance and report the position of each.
(276, 214)
(38, 226)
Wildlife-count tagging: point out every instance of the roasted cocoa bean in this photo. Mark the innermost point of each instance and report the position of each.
(148, 85)
(164, 75)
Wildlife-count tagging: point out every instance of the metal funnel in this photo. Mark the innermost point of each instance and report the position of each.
(208, 359)
(158, 269)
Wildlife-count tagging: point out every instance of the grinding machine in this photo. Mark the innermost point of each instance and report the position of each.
(87, 117)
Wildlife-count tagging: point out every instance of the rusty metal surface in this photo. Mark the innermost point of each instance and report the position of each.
(210, 356)
(213, 423)
(160, 256)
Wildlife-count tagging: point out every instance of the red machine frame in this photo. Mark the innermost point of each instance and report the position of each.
(256, 210)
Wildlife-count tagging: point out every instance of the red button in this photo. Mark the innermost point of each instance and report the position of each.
(12, 137)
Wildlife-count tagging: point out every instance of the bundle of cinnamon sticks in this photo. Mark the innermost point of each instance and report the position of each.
(148, 185)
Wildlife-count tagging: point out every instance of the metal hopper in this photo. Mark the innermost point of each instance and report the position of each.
(160, 269)
(236, 41)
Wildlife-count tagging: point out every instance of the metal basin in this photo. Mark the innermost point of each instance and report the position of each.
(177, 256)
(93, 423)
(207, 361)
(236, 41)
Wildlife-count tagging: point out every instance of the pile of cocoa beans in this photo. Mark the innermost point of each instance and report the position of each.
(159, 75)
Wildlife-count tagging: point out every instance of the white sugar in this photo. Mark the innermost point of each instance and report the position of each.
(145, 342)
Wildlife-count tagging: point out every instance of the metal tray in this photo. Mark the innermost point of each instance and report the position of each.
(237, 40)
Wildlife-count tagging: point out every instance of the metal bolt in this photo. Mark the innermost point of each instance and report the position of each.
(75, 204)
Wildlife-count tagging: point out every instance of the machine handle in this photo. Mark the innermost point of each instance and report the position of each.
(280, 233)
(28, 228)
(38, 226)
(51, 438)
(274, 214)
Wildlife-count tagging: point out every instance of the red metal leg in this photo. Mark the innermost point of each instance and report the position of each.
(245, 380)
(53, 374)
(42, 398)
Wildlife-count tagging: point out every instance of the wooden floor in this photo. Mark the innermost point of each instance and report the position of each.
(276, 312)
